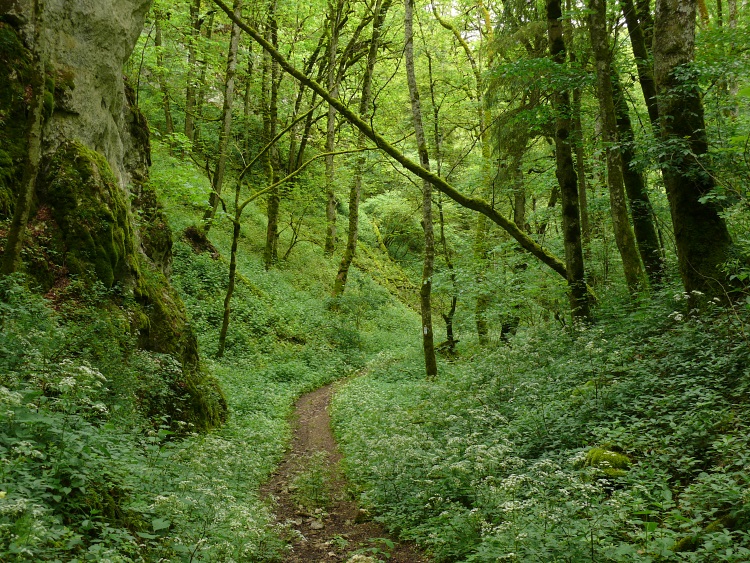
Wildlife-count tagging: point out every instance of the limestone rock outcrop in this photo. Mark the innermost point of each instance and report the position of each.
(94, 169)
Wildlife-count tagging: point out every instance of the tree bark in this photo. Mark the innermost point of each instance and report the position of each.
(566, 175)
(335, 14)
(623, 232)
(270, 253)
(169, 122)
(190, 92)
(381, 9)
(641, 52)
(581, 173)
(635, 186)
(17, 232)
(424, 159)
(226, 130)
(701, 235)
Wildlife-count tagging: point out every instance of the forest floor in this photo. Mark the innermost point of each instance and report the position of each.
(314, 501)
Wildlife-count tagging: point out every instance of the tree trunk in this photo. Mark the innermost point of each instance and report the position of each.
(581, 173)
(641, 51)
(195, 30)
(624, 237)
(169, 122)
(635, 186)
(701, 235)
(359, 165)
(566, 175)
(202, 87)
(270, 253)
(424, 159)
(17, 232)
(221, 162)
(232, 271)
(335, 14)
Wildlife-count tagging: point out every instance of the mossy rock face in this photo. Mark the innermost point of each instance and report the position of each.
(92, 213)
(95, 241)
(15, 79)
(162, 327)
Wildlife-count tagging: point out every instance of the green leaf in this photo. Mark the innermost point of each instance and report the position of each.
(160, 524)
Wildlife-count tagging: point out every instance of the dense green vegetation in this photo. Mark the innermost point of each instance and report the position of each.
(592, 319)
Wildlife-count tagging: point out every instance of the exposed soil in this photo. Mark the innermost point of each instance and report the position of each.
(313, 498)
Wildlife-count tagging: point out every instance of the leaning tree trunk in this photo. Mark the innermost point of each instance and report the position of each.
(635, 187)
(566, 174)
(623, 232)
(424, 159)
(636, 21)
(359, 164)
(701, 235)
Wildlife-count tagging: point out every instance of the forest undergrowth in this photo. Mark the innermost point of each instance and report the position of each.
(626, 440)
(623, 441)
(88, 475)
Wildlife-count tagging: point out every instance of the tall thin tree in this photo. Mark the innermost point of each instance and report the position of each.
(424, 159)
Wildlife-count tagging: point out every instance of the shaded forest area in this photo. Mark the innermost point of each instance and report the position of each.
(516, 231)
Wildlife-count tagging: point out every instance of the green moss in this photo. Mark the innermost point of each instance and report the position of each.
(163, 328)
(611, 463)
(91, 210)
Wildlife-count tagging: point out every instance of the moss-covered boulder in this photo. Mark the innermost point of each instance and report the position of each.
(610, 462)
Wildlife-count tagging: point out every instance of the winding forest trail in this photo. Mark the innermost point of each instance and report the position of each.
(310, 494)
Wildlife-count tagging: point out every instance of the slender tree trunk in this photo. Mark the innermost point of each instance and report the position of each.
(202, 86)
(641, 52)
(566, 175)
(247, 102)
(270, 254)
(335, 13)
(381, 9)
(635, 186)
(701, 235)
(226, 130)
(581, 173)
(169, 122)
(624, 237)
(190, 91)
(424, 159)
(232, 270)
(17, 233)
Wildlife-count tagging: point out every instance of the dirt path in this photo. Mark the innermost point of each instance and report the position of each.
(311, 497)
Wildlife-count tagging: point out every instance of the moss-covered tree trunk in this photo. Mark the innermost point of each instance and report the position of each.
(637, 21)
(11, 260)
(566, 174)
(271, 116)
(190, 90)
(701, 235)
(335, 13)
(624, 237)
(425, 291)
(641, 210)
